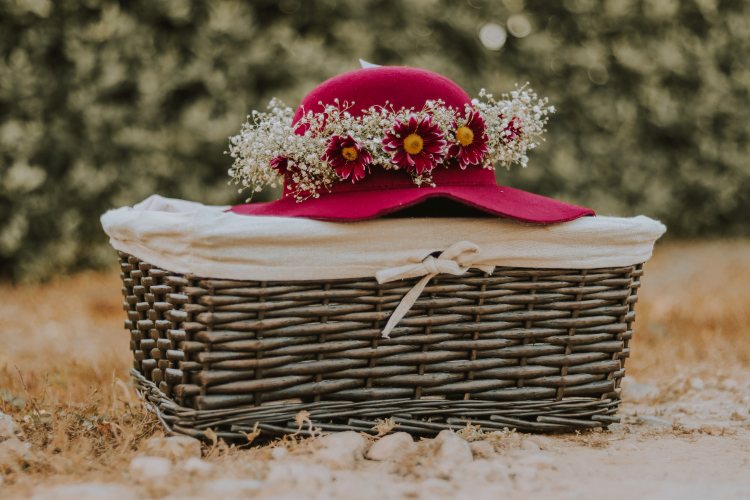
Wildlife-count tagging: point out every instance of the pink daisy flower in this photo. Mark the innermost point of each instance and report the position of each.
(416, 146)
(347, 157)
(471, 141)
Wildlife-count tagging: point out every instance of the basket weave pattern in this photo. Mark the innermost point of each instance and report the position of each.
(532, 349)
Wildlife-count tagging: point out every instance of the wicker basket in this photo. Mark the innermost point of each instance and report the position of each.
(532, 349)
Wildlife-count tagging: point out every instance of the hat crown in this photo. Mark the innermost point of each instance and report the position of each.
(399, 86)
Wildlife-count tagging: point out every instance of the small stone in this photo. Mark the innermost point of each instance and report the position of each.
(173, 447)
(86, 491)
(146, 468)
(696, 383)
(391, 446)
(8, 427)
(197, 466)
(654, 421)
(482, 449)
(14, 453)
(449, 441)
(341, 449)
(452, 452)
(637, 391)
(616, 427)
(230, 488)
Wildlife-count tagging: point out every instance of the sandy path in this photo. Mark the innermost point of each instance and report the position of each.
(686, 441)
(700, 466)
(689, 440)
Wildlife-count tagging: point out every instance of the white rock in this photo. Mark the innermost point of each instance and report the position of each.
(197, 466)
(146, 468)
(230, 488)
(86, 491)
(696, 383)
(14, 453)
(637, 391)
(8, 427)
(172, 447)
(279, 452)
(341, 449)
(482, 449)
(391, 446)
(616, 427)
(452, 452)
(654, 421)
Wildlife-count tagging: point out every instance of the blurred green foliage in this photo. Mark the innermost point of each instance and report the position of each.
(103, 103)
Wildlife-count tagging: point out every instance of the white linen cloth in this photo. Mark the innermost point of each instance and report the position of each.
(188, 237)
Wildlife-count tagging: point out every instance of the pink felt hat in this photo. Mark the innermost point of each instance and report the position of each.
(395, 138)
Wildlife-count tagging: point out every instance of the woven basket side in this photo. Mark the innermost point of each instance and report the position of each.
(229, 352)
(147, 309)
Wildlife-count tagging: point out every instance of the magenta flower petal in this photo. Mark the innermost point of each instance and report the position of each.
(472, 152)
(416, 156)
(347, 157)
(512, 130)
(280, 164)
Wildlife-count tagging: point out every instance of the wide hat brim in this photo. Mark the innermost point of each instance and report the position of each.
(377, 199)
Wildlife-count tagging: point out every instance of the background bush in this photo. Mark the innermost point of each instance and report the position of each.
(104, 102)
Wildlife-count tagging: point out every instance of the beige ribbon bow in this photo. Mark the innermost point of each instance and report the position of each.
(456, 260)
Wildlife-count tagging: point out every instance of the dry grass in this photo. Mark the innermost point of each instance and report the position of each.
(693, 313)
(65, 357)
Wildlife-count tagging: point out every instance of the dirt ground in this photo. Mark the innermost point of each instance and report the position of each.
(75, 429)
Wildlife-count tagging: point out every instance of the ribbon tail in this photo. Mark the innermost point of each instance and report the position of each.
(403, 307)
(489, 269)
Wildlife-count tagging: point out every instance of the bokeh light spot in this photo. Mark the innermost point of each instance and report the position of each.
(493, 36)
(519, 25)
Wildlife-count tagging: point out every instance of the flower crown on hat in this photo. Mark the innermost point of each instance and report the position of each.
(339, 147)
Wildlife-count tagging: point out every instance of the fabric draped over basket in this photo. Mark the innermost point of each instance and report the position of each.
(191, 238)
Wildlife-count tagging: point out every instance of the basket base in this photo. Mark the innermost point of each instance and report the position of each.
(423, 417)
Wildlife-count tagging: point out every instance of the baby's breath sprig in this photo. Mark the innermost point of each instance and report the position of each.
(270, 146)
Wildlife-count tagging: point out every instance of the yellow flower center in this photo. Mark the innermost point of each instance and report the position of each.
(465, 136)
(413, 144)
(350, 153)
